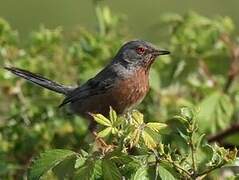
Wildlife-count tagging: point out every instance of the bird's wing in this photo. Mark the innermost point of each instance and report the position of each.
(98, 85)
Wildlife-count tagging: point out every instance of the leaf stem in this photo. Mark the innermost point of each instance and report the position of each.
(169, 160)
(176, 166)
(192, 129)
(193, 154)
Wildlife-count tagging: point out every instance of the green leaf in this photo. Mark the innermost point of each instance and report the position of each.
(137, 117)
(187, 113)
(90, 170)
(84, 173)
(113, 115)
(65, 168)
(215, 109)
(110, 170)
(134, 137)
(105, 132)
(200, 140)
(148, 140)
(121, 158)
(164, 174)
(80, 161)
(184, 136)
(47, 161)
(141, 174)
(101, 119)
(156, 126)
(119, 121)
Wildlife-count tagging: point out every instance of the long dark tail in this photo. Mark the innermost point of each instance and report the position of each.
(39, 80)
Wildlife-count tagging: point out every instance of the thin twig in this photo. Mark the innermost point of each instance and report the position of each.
(233, 129)
(180, 168)
(192, 129)
(177, 167)
(193, 154)
(210, 170)
(234, 65)
(206, 72)
(169, 160)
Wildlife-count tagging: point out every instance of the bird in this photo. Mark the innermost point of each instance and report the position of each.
(122, 84)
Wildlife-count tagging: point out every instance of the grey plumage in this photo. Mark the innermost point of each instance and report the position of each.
(131, 57)
(40, 80)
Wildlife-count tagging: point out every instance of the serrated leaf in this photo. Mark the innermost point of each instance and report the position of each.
(187, 113)
(89, 171)
(164, 173)
(119, 121)
(148, 140)
(65, 168)
(110, 170)
(47, 161)
(137, 117)
(156, 126)
(200, 141)
(141, 174)
(180, 118)
(84, 173)
(184, 136)
(99, 118)
(113, 115)
(80, 161)
(134, 137)
(122, 158)
(215, 109)
(105, 132)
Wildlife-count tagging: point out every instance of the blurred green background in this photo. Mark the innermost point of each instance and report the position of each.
(142, 16)
(202, 70)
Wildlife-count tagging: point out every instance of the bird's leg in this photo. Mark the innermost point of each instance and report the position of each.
(102, 145)
(99, 141)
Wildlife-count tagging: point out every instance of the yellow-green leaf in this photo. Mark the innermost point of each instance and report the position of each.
(101, 119)
(114, 130)
(156, 126)
(134, 137)
(113, 115)
(148, 140)
(137, 117)
(105, 132)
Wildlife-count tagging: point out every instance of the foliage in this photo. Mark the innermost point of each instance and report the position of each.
(201, 72)
(112, 157)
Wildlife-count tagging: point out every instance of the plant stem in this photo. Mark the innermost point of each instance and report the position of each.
(233, 69)
(233, 129)
(193, 154)
(192, 129)
(169, 160)
(180, 168)
(209, 170)
(177, 167)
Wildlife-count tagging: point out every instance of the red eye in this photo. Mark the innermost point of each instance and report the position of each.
(140, 50)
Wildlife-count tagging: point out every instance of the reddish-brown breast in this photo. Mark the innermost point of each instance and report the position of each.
(126, 94)
(130, 92)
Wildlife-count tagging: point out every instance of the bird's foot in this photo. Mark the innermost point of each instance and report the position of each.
(102, 145)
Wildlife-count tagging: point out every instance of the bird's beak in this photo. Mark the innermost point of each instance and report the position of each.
(160, 52)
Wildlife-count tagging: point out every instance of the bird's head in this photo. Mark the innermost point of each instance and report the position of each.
(139, 53)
